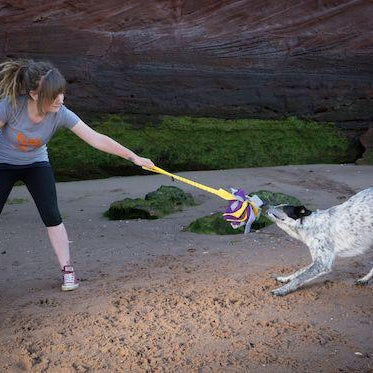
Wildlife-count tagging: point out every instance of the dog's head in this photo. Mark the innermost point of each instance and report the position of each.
(289, 218)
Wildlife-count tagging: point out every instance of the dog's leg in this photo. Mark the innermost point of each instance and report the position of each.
(321, 265)
(364, 280)
(315, 270)
(288, 278)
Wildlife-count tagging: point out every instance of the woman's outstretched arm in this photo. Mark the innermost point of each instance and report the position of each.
(107, 144)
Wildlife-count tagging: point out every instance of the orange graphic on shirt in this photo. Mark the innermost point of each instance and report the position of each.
(24, 143)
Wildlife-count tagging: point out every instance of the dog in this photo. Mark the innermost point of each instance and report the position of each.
(344, 230)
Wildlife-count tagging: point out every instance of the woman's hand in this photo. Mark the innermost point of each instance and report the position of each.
(140, 161)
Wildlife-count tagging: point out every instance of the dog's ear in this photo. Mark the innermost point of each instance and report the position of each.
(303, 211)
(296, 212)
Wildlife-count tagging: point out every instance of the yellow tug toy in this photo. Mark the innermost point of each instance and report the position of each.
(242, 209)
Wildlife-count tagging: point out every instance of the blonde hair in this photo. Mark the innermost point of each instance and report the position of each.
(19, 77)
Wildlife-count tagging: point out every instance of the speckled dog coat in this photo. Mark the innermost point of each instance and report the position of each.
(344, 230)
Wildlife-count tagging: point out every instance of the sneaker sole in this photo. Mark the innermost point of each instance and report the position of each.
(69, 287)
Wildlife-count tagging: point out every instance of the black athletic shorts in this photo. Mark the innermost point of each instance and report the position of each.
(39, 180)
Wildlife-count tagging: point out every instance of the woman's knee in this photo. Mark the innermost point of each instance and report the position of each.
(52, 218)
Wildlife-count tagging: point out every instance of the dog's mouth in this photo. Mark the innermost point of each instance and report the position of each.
(273, 214)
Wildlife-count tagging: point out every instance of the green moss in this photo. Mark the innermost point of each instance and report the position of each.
(168, 199)
(215, 224)
(164, 201)
(277, 198)
(186, 143)
(212, 224)
(130, 209)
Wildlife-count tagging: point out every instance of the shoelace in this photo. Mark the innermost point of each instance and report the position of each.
(69, 278)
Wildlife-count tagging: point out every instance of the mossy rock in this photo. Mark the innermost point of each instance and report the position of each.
(215, 224)
(170, 194)
(212, 224)
(164, 201)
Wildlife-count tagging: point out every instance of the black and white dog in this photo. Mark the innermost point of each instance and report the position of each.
(344, 230)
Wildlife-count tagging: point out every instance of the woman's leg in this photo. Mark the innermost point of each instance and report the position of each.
(41, 184)
(60, 243)
(7, 181)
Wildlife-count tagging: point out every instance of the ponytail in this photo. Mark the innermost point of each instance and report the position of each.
(12, 80)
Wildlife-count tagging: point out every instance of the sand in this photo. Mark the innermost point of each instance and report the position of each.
(154, 298)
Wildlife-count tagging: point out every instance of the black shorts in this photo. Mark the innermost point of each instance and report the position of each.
(39, 180)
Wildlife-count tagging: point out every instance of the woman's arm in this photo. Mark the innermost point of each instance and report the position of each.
(108, 145)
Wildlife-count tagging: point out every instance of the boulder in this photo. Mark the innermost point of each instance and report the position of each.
(164, 201)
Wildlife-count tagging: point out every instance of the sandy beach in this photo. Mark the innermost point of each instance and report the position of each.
(154, 298)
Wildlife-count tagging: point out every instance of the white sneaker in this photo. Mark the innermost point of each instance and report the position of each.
(69, 281)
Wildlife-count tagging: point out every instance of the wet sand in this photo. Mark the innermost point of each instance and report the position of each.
(154, 298)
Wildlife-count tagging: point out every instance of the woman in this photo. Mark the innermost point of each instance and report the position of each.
(31, 110)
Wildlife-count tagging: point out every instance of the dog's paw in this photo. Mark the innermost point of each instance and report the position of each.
(282, 279)
(361, 282)
(279, 292)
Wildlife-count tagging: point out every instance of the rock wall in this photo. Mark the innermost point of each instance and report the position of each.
(231, 58)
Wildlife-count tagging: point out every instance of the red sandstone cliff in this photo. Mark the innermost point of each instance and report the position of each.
(232, 58)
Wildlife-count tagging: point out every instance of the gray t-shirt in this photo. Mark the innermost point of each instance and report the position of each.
(22, 141)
